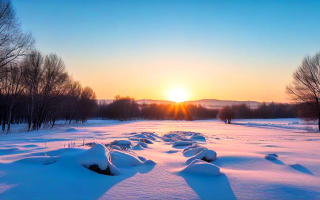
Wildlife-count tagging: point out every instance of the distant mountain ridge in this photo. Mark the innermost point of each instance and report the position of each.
(208, 103)
(215, 103)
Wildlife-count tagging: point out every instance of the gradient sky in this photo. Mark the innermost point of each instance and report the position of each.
(232, 50)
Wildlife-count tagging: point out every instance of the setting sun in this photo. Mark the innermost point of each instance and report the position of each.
(178, 95)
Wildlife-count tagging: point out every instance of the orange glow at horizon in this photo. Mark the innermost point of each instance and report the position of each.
(205, 82)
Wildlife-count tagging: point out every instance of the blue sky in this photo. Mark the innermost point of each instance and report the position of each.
(244, 50)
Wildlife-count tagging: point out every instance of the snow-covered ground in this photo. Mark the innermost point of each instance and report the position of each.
(52, 163)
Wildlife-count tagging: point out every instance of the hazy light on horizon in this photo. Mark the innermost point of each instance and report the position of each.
(213, 49)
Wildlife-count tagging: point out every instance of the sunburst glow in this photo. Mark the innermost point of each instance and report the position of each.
(178, 95)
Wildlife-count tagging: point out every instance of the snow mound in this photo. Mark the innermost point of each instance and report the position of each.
(144, 145)
(105, 159)
(203, 168)
(123, 144)
(134, 139)
(140, 136)
(142, 158)
(124, 159)
(137, 147)
(97, 159)
(172, 151)
(144, 135)
(182, 143)
(205, 155)
(71, 130)
(198, 137)
(150, 134)
(151, 137)
(149, 162)
(271, 156)
(193, 150)
(182, 138)
(175, 136)
(147, 141)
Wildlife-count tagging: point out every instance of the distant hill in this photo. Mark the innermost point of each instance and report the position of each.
(208, 103)
(215, 103)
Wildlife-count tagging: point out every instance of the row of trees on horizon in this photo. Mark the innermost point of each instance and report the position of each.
(263, 111)
(126, 108)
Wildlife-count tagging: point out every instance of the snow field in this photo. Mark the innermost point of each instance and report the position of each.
(48, 164)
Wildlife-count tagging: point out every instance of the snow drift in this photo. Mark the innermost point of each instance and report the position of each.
(202, 168)
(205, 155)
(124, 159)
(97, 158)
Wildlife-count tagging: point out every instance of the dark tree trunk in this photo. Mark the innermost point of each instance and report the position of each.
(4, 122)
(10, 116)
(53, 122)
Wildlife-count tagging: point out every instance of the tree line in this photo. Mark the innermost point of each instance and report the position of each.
(263, 111)
(36, 88)
(126, 108)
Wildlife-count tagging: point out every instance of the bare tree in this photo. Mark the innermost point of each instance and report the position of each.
(46, 82)
(33, 75)
(87, 104)
(13, 42)
(73, 97)
(14, 90)
(305, 87)
(226, 114)
(54, 85)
